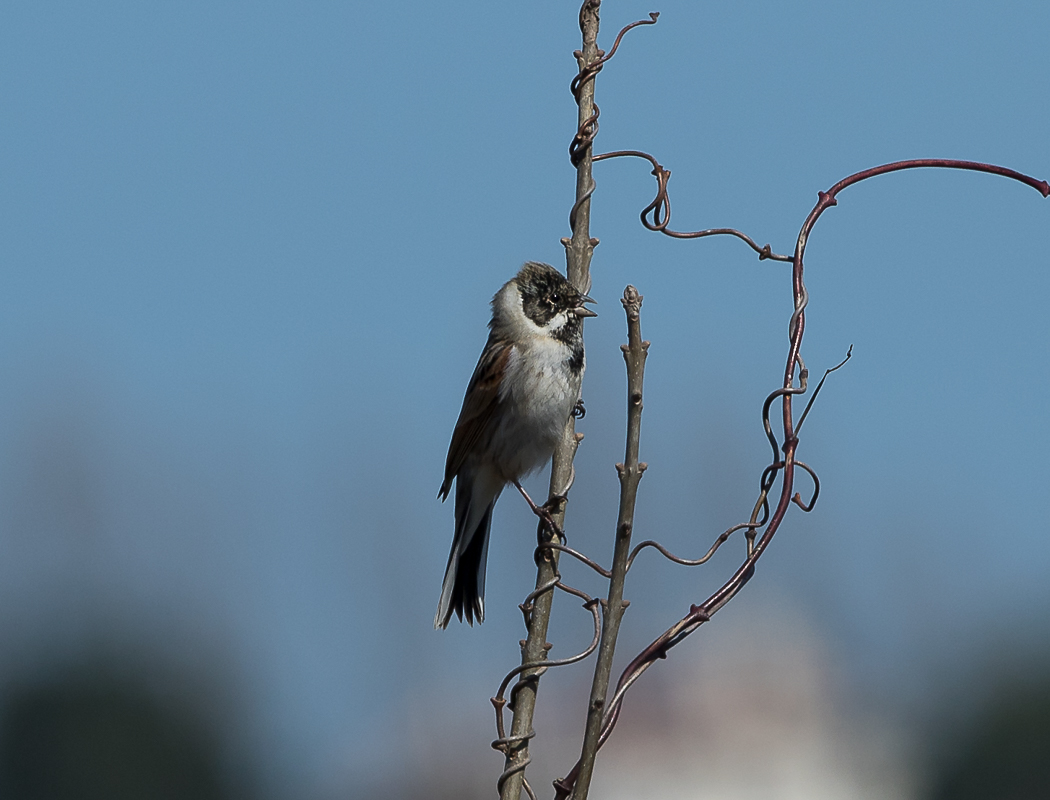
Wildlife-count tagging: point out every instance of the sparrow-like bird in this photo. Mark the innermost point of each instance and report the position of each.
(523, 390)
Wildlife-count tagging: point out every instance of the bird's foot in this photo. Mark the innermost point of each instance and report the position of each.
(544, 512)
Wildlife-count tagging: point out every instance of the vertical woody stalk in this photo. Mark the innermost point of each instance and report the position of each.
(578, 252)
(634, 353)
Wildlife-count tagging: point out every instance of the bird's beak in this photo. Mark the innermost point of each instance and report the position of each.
(580, 311)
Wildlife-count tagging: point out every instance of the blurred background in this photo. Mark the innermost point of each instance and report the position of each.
(247, 253)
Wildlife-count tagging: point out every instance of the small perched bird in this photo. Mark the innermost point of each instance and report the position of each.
(523, 390)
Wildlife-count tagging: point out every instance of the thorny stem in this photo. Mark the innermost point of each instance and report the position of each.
(578, 252)
(634, 353)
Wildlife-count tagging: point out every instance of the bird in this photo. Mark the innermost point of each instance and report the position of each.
(524, 388)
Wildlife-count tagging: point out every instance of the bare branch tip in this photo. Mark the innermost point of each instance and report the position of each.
(631, 296)
(642, 466)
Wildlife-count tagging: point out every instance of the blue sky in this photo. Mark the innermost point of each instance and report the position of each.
(247, 254)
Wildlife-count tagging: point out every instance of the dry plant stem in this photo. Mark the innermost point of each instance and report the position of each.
(578, 252)
(634, 353)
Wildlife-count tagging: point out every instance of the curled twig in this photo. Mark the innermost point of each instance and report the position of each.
(499, 701)
(588, 128)
(578, 556)
(787, 391)
(596, 67)
(797, 498)
(529, 603)
(685, 562)
(507, 745)
(586, 195)
(660, 209)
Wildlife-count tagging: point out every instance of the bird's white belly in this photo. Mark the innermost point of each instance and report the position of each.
(539, 392)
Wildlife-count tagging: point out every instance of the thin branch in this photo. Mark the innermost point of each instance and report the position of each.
(631, 470)
(578, 252)
(830, 198)
(813, 397)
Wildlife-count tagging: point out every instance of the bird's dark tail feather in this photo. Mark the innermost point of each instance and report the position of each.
(463, 591)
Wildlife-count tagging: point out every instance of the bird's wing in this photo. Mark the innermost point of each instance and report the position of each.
(479, 405)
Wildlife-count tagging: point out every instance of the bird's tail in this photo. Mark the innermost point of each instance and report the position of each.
(463, 591)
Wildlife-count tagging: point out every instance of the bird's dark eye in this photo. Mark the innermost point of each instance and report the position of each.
(555, 297)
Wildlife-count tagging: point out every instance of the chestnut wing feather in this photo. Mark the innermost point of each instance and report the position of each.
(479, 405)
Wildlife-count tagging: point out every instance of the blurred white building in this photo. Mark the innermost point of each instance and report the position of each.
(750, 714)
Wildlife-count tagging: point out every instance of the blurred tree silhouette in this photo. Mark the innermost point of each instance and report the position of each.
(92, 734)
(1004, 753)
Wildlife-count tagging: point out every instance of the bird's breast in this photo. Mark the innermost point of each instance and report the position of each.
(538, 394)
